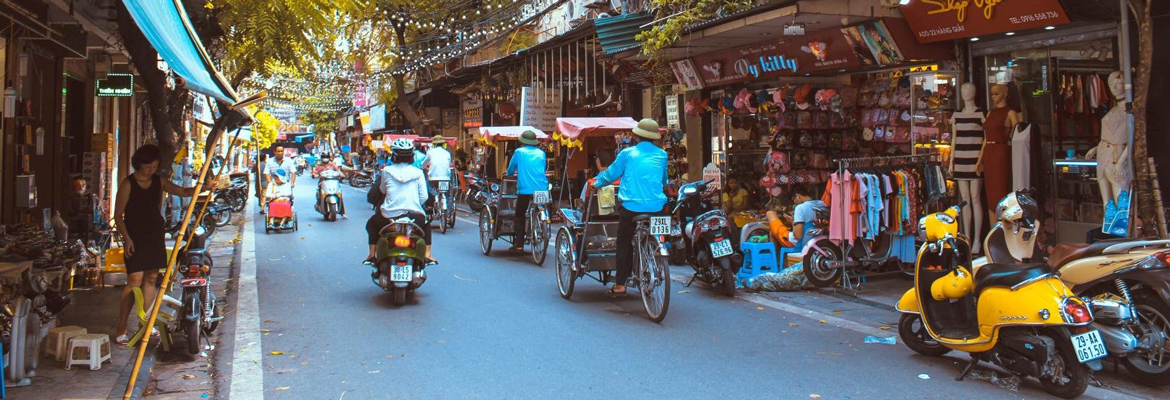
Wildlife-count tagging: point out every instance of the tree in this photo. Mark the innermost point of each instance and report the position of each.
(323, 122)
(264, 130)
(1143, 195)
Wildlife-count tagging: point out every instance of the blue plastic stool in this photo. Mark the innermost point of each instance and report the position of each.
(758, 258)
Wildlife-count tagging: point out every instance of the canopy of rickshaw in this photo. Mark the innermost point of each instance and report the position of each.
(488, 135)
(570, 131)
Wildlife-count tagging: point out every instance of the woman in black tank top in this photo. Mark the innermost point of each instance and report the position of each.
(138, 217)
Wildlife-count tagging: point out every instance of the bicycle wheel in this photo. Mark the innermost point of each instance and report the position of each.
(566, 278)
(442, 217)
(540, 235)
(486, 231)
(653, 277)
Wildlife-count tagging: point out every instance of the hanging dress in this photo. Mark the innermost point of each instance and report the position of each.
(1022, 157)
(968, 143)
(997, 157)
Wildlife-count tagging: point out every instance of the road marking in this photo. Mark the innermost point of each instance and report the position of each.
(247, 375)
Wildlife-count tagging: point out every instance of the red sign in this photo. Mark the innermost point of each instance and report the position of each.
(938, 20)
(818, 51)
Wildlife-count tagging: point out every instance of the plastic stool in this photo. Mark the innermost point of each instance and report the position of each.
(758, 258)
(58, 342)
(88, 349)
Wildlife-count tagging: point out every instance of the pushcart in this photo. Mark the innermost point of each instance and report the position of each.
(586, 246)
(499, 211)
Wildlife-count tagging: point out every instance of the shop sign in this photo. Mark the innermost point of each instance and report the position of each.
(115, 85)
(818, 51)
(711, 173)
(472, 113)
(685, 73)
(922, 68)
(672, 119)
(540, 111)
(939, 20)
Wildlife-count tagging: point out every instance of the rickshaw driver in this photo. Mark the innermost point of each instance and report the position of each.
(528, 165)
(642, 170)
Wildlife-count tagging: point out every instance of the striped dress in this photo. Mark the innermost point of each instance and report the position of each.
(968, 143)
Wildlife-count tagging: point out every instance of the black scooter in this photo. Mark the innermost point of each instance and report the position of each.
(706, 238)
(200, 311)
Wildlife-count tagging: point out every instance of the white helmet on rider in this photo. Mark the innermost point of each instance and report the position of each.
(402, 148)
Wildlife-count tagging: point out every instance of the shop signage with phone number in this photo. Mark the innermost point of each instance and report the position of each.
(939, 20)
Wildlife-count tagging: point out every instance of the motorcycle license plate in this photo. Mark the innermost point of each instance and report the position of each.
(1089, 346)
(400, 273)
(721, 248)
(193, 282)
(444, 186)
(660, 225)
(541, 197)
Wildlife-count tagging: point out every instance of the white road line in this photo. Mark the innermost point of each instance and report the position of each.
(247, 374)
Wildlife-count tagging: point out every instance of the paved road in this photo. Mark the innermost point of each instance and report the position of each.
(495, 327)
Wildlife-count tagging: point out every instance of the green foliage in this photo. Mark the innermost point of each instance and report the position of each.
(260, 35)
(690, 12)
(324, 122)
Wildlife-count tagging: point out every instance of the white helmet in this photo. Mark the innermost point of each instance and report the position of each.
(402, 144)
(1018, 214)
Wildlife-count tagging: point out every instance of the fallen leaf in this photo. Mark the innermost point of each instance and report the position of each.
(760, 308)
(282, 388)
(188, 376)
(442, 340)
(792, 324)
(265, 330)
(276, 353)
(389, 356)
(814, 396)
(684, 291)
(267, 321)
(822, 321)
(304, 363)
(836, 313)
(884, 328)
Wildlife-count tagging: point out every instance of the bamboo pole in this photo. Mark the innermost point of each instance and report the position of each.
(171, 259)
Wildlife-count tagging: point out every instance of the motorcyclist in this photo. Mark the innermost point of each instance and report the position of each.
(437, 162)
(406, 191)
(328, 165)
(642, 170)
(528, 165)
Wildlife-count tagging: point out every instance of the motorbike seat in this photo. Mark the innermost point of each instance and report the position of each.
(1008, 275)
(1065, 253)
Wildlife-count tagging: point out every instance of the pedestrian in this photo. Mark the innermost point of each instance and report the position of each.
(138, 218)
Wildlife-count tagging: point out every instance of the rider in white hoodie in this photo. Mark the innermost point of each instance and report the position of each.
(405, 188)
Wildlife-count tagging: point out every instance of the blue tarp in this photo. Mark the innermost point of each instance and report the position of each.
(166, 26)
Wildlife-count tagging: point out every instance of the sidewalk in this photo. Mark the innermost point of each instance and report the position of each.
(163, 375)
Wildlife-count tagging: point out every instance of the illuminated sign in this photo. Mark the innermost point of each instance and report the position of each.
(938, 20)
(115, 85)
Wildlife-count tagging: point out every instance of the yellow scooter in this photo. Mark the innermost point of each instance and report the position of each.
(1020, 317)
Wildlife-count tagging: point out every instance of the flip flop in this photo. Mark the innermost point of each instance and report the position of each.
(612, 293)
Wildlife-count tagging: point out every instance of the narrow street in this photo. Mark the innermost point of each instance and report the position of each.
(495, 327)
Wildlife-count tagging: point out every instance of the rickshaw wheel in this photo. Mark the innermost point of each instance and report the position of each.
(653, 278)
(540, 235)
(566, 278)
(485, 231)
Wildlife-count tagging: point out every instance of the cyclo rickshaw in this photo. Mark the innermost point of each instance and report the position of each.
(586, 245)
(443, 211)
(499, 210)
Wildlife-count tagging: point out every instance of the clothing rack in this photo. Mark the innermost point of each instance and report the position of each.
(865, 162)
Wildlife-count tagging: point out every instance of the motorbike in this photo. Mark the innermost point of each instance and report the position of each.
(476, 188)
(236, 195)
(443, 210)
(1020, 317)
(360, 178)
(400, 258)
(219, 212)
(706, 239)
(329, 198)
(1125, 281)
(200, 311)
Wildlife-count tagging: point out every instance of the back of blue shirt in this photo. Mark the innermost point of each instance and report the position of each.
(642, 169)
(528, 164)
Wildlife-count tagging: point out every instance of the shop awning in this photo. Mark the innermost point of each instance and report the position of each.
(575, 128)
(617, 34)
(509, 132)
(166, 26)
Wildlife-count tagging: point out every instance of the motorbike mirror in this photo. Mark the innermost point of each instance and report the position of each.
(690, 191)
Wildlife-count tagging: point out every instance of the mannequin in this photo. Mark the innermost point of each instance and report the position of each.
(967, 143)
(997, 152)
(1114, 163)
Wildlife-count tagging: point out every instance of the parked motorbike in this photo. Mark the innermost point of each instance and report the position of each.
(1125, 281)
(329, 196)
(219, 212)
(1020, 317)
(476, 188)
(707, 239)
(236, 195)
(400, 265)
(360, 178)
(200, 309)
